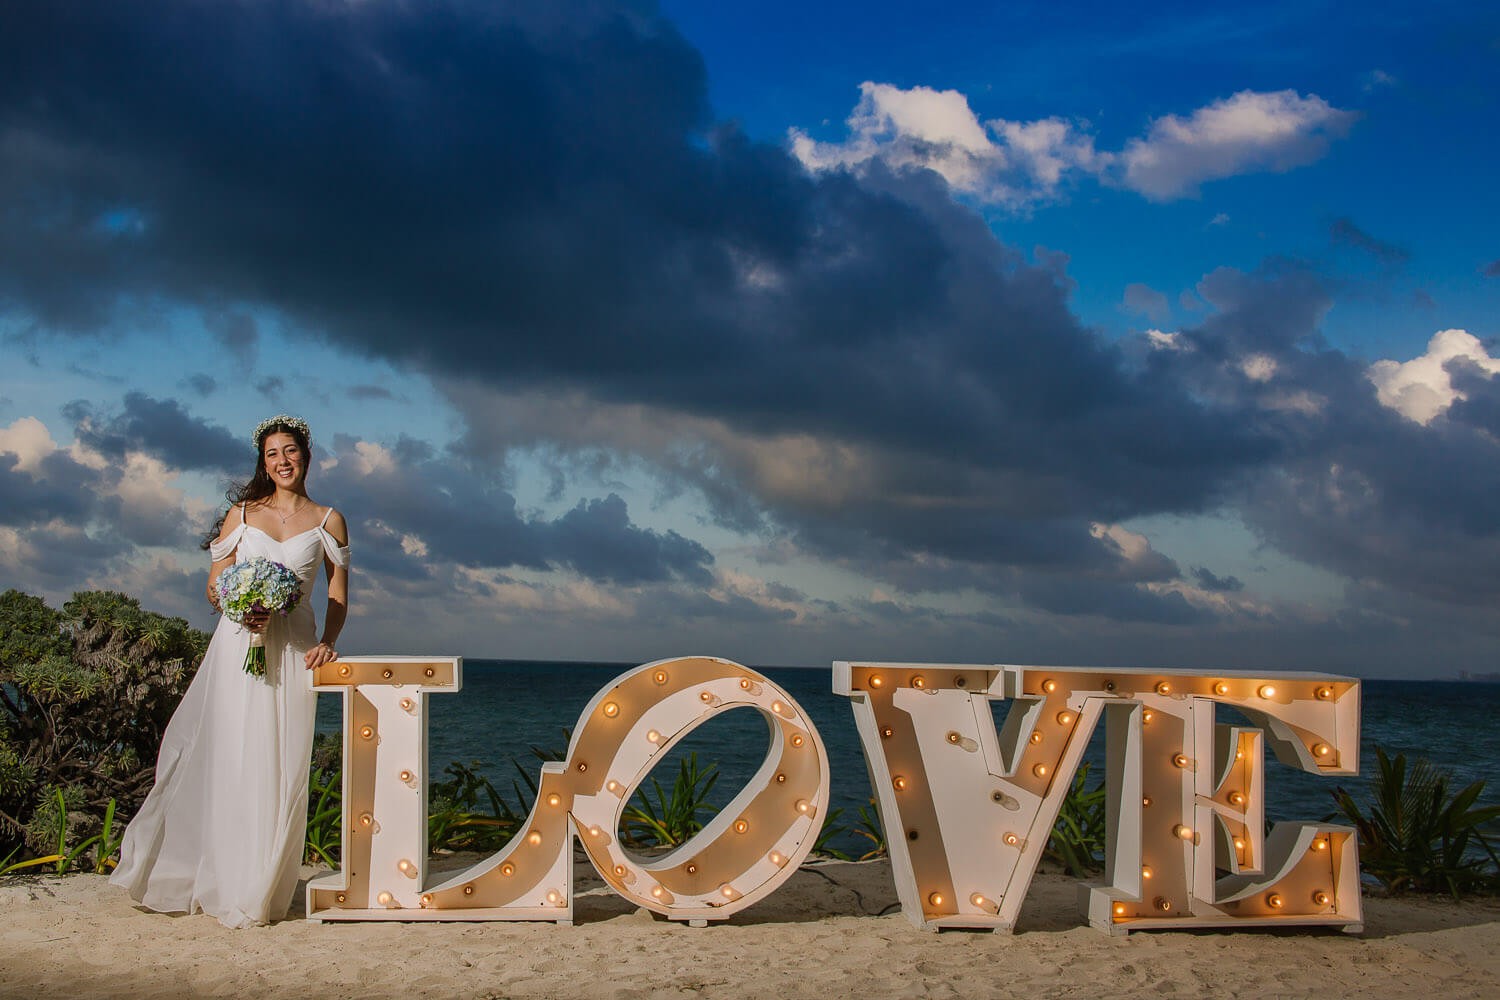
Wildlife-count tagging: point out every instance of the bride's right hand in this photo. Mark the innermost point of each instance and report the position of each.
(255, 621)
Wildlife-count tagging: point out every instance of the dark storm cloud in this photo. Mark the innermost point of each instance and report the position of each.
(1343, 231)
(462, 517)
(1214, 583)
(163, 428)
(60, 489)
(529, 198)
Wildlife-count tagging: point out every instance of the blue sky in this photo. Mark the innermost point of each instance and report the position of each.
(984, 332)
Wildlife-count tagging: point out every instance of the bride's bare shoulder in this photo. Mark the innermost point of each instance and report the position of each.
(334, 524)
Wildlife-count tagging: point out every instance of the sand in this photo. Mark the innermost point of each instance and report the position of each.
(832, 931)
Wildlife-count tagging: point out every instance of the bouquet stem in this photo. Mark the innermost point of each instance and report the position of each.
(255, 657)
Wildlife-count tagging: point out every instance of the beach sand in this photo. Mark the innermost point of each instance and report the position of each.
(832, 931)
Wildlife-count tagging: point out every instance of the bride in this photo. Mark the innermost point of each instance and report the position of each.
(222, 829)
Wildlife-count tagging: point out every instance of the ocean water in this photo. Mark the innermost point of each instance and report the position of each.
(507, 707)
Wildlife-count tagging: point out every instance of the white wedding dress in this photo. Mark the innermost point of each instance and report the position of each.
(222, 830)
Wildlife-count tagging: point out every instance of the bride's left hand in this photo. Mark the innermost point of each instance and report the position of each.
(320, 654)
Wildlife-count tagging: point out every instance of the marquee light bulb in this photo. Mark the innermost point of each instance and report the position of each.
(691, 869)
(899, 782)
(1162, 687)
(1182, 832)
(1239, 844)
(612, 785)
(1145, 871)
(876, 681)
(1064, 718)
(344, 671)
(594, 831)
(1221, 689)
(745, 684)
(657, 891)
(619, 871)
(740, 826)
(406, 777)
(1163, 904)
(533, 838)
(1320, 898)
(1036, 738)
(1147, 715)
(804, 806)
(554, 897)
(1321, 749)
(777, 707)
(366, 732)
(384, 899)
(1274, 901)
(1040, 770)
(653, 737)
(365, 819)
(468, 890)
(919, 681)
(1012, 840)
(1119, 909)
(1146, 800)
(777, 858)
(1320, 845)
(1049, 685)
(797, 739)
(1267, 691)
(1236, 799)
(706, 697)
(507, 869)
(426, 900)
(1180, 760)
(406, 868)
(978, 900)
(407, 704)
(936, 899)
(660, 677)
(611, 710)
(887, 733)
(429, 672)
(953, 737)
(727, 891)
(554, 799)
(1323, 693)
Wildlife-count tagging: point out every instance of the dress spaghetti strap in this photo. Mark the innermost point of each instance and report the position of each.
(325, 517)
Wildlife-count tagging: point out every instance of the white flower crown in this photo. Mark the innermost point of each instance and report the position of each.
(284, 420)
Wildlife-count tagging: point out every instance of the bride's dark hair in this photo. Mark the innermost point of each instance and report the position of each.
(259, 486)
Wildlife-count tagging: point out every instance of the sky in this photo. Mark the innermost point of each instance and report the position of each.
(998, 333)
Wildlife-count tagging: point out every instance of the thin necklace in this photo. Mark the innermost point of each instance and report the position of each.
(287, 517)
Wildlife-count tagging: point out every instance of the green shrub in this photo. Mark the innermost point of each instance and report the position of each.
(1420, 835)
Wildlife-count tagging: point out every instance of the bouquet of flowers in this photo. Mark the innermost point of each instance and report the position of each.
(257, 585)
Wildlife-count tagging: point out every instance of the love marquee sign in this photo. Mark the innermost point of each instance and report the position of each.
(967, 805)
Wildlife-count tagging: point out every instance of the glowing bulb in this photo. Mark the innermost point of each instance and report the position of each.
(386, 674)
(657, 892)
(612, 786)
(1267, 691)
(533, 838)
(1320, 898)
(1321, 749)
(594, 831)
(366, 732)
(706, 697)
(407, 704)
(1064, 718)
(1239, 755)
(887, 733)
(740, 826)
(1320, 845)
(611, 710)
(1119, 909)
(1036, 738)
(1147, 715)
(1239, 844)
(727, 891)
(936, 899)
(1182, 832)
(653, 737)
(1162, 687)
(745, 684)
(876, 681)
(365, 819)
(1324, 693)
(1274, 901)
(777, 859)
(899, 782)
(803, 806)
(426, 900)
(978, 900)
(1146, 800)
(953, 737)
(405, 867)
(1040, 770)
(1221, 689)
(344, 671)
(1180, 760)
(468, 890)
(619, 871)
(1012, 839)
(341, 898)
(660, 677)
(777, 707)
(691, 869)
(405, 777)
(1236, 799)
(1163, 904)
(1145, 871)
(582, 766)
(780, 778)
(384, 899)
(554, 897)
(429, 672)
(919, 681)
(507, 869)
(554, 799)
(797, 740)
(1049, 685)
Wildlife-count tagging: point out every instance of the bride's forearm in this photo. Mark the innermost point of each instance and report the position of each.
(333, 621)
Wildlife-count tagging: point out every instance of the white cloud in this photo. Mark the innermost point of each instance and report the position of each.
(28, 439)
(1420, 389)
(1018, 164)
(1248, 132)
(999, 162)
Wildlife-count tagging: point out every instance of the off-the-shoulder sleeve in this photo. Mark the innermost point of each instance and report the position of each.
(221, 548)
(339, 554)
